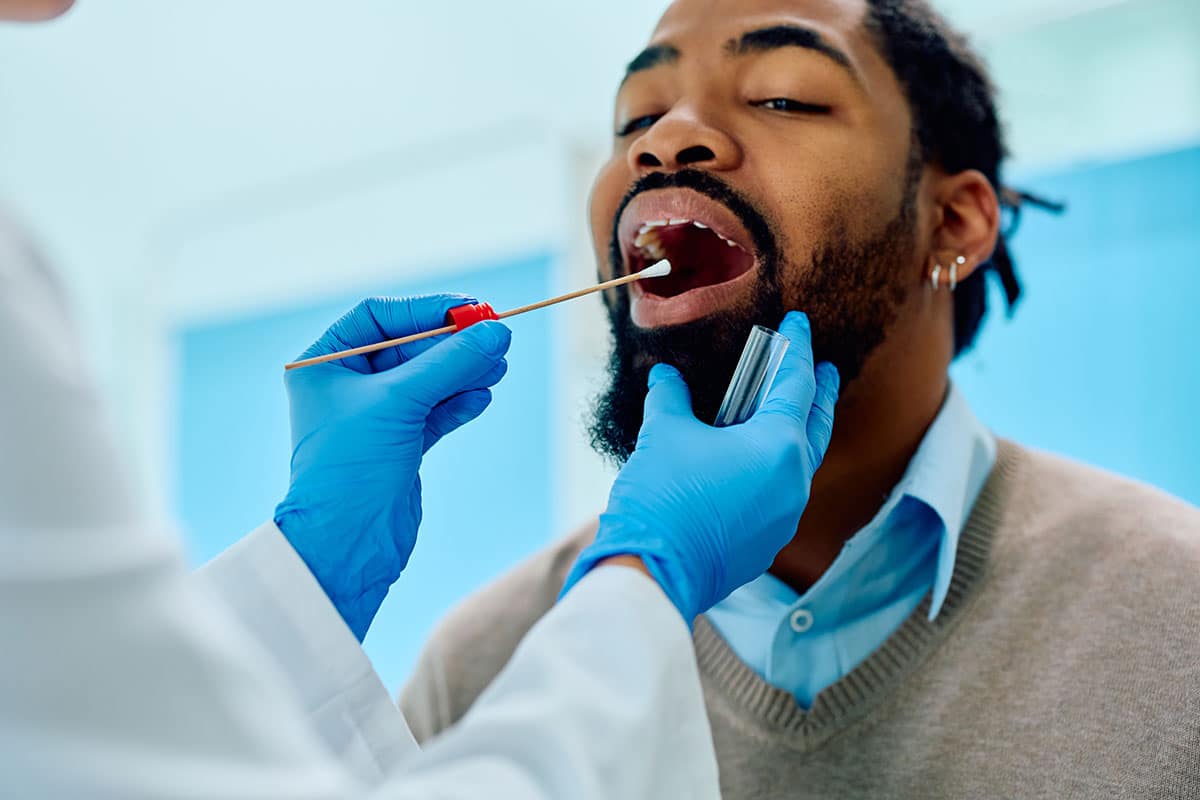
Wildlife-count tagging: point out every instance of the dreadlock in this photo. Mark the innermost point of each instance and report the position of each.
(955, 125)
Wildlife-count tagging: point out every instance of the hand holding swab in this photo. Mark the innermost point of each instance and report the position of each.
(658, 270)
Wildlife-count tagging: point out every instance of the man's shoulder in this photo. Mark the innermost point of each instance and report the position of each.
(1123, 530)
(1067, 493)
(476, 639)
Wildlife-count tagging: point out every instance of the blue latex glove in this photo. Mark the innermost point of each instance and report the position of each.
(359, 429)
(707, 509)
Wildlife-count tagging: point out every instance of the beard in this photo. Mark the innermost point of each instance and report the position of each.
(850, 289)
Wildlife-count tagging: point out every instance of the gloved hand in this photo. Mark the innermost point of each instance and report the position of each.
(359, 429)
(707, 509)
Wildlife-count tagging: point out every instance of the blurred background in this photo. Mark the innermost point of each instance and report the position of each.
(218, 180)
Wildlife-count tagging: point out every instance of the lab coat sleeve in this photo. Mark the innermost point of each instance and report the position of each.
(602, 699)
(273, 594)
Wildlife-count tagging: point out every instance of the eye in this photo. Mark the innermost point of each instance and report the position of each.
(791, 106)
(638, 124)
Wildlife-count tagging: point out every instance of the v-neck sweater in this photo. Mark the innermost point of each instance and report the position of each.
(1064, 663)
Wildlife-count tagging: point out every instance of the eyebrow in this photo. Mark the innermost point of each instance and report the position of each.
(778, 37)
(775, 37)
(651, 57)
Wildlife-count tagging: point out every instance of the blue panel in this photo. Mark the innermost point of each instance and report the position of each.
(1100, 360)
(486, 487)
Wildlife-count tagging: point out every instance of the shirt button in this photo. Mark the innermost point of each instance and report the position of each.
(802, 620)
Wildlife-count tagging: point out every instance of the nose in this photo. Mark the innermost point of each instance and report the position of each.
(683, 139)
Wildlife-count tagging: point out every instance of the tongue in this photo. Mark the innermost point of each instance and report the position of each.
(698, 258)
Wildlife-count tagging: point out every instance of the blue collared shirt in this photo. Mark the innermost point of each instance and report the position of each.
(804, 643)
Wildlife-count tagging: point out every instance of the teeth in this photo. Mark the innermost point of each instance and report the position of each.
(648, 242)
(645, 237)
(652, 224)
(728, 242)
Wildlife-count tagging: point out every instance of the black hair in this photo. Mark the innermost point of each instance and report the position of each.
(955, 125)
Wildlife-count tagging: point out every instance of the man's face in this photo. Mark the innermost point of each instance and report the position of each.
(764, 147)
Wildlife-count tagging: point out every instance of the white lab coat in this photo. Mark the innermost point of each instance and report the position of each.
(125, 676)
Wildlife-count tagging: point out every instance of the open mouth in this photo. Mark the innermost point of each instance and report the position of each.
(712, 254)
(699, 255)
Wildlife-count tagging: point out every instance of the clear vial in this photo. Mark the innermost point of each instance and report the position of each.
(753, 377)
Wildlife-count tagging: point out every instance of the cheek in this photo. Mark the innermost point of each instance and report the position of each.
(611, 184)
(816, 200)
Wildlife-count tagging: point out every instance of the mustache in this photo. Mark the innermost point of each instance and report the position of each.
(705, 183)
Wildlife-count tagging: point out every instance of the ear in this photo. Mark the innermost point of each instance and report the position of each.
(968, 222)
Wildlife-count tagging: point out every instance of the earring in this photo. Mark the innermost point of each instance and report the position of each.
(954, 271)
(935, 275)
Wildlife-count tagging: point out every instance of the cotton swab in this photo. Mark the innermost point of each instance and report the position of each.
(657, 270)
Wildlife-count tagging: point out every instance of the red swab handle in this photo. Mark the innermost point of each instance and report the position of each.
(465, 316)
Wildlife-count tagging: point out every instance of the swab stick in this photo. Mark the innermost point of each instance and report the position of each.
(657, 270)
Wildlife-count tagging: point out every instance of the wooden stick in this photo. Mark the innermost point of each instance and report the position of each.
(370, 348)
(572, 295)
(416, 337)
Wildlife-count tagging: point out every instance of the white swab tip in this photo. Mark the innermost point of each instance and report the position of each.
(659, 270)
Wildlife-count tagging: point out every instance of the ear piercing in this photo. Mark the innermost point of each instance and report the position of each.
(935, 276)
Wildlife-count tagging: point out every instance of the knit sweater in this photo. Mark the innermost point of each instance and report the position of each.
(1065, 662)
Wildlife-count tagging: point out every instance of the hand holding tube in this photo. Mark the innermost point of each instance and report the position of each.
(360, 427)
(707, 509)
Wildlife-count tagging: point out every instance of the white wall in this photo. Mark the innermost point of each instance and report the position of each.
(1088, 80)
(182, 159)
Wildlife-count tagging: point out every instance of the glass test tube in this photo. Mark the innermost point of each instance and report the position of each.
(753, 377)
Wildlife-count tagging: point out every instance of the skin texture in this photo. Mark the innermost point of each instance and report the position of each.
(33, 10)
(857, 223)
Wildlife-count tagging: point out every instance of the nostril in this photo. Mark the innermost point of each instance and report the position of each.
(695, 155)
(648, 160)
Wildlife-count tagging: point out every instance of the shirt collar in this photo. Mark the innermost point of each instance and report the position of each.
(946, 474)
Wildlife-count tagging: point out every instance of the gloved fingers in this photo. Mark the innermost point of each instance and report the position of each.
(820, 418)
(453, 413)
(465, 360)
(668, 394)
(459, 409)
(791, 395)
(378, 319)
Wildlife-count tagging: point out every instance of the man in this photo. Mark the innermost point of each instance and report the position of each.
(956, 616)
(126, 677)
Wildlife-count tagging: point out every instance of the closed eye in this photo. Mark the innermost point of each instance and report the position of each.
(791, 106)
(637, 124)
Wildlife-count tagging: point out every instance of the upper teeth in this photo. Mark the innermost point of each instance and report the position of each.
(647, 237)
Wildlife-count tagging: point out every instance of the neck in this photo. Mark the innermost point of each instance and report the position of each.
(880, 421)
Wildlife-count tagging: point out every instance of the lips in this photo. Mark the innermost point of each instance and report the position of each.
(712, 258)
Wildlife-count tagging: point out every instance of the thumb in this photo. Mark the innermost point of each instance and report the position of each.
(820, 418)
(669, 394)
(791, 396)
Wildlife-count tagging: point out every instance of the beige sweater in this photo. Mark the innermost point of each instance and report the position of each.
(1065, 662)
